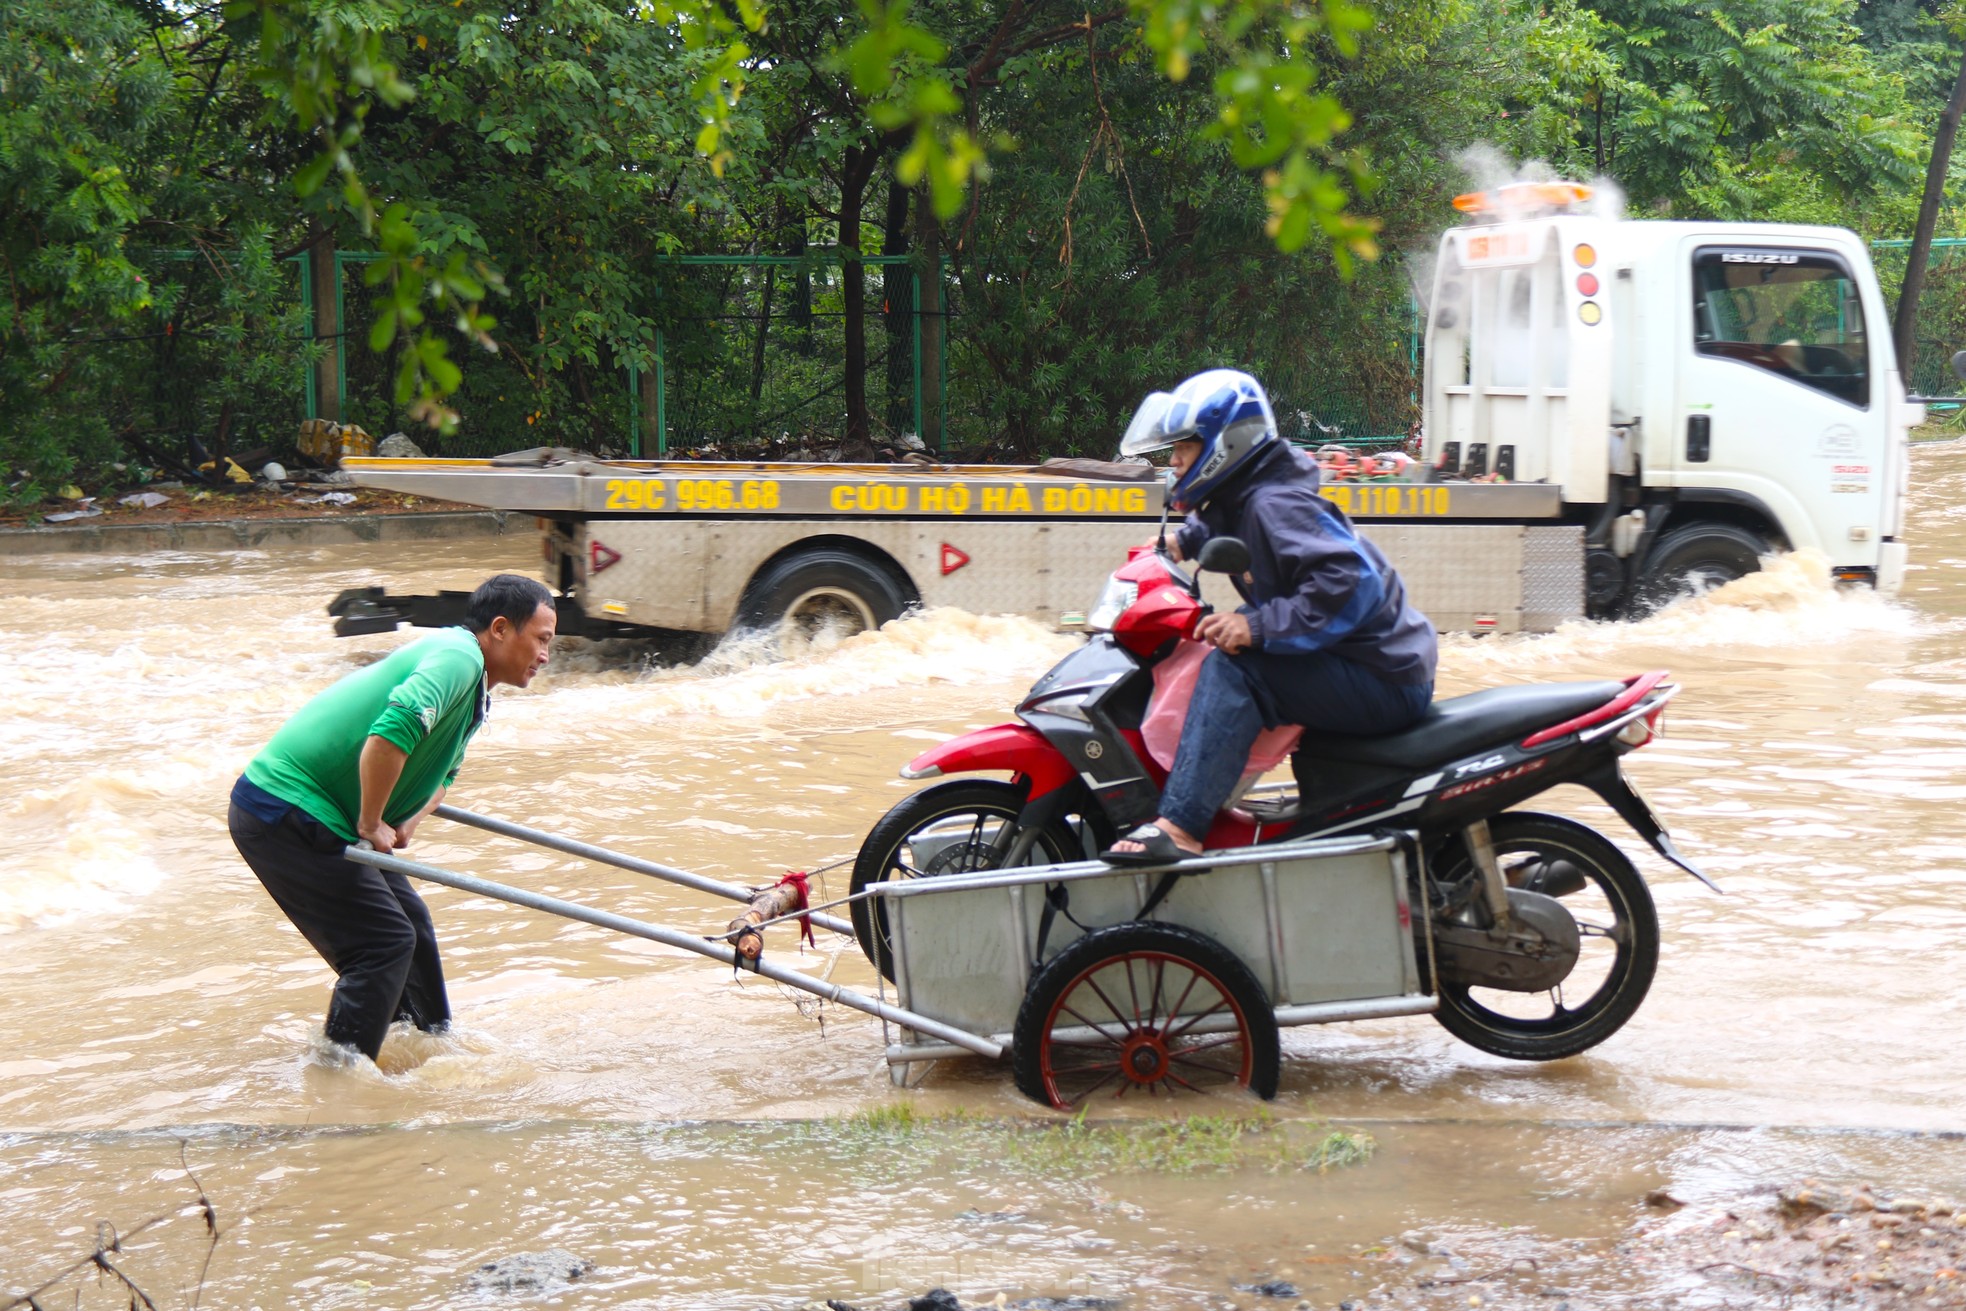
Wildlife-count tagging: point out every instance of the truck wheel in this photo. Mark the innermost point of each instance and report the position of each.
(1694, 559)
(820, 590)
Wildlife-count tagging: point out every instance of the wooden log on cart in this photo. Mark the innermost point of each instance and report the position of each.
(783, 898)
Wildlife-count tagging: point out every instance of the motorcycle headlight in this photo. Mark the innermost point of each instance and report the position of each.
(1112, 603)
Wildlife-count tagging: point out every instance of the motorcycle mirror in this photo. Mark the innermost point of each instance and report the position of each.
(1224, 555)
(1959, 363)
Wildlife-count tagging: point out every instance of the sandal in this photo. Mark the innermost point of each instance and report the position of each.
(1157, 848)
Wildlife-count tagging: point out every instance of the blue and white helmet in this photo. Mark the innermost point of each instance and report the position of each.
(1225, 410)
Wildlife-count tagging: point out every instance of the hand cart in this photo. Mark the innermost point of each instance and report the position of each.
(1095, 981)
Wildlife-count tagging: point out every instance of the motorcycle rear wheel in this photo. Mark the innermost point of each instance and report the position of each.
(1619, 932)
(952, 828)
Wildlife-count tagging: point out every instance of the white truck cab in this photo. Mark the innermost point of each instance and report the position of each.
(1702, 393)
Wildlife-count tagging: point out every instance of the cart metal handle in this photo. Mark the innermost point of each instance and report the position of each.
(634, 864)
(715, 950)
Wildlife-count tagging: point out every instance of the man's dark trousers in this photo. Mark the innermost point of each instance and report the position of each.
(369, 926)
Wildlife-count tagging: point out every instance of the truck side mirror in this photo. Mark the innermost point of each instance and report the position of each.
(1224, 555)
(1959, 363)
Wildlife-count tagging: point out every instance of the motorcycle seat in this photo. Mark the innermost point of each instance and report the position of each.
(1463, 725)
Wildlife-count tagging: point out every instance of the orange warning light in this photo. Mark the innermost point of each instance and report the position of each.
(1523, 195)
(1585, 256)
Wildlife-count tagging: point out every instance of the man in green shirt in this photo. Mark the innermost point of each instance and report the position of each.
(367, 759)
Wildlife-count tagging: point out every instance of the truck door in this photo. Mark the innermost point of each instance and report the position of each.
(1781, 393)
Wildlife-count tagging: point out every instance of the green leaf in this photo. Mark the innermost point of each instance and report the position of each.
(383, 332)
(309, 179)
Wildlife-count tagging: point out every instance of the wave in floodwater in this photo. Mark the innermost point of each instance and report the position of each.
(87, 846)
(76, 850)
(746, 677)
(1791, 603)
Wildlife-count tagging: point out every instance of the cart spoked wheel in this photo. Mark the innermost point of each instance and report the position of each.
(1143, 1010)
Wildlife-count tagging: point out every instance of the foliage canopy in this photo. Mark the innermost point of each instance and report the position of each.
(1117, 195)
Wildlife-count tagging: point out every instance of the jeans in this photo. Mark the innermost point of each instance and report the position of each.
(1237, 696)
(369, 926)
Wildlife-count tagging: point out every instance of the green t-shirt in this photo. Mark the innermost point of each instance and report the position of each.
(428, 698)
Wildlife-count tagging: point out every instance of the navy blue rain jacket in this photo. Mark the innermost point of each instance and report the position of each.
(1316, 584)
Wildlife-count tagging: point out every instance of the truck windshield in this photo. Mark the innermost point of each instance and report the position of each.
(1793, 313)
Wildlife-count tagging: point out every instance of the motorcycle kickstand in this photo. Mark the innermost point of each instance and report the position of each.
(1494, 887)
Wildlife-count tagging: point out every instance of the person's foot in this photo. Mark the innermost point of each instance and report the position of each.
(1130, 846)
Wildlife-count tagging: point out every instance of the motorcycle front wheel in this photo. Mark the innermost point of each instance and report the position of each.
(1618, 931)
(956, 827)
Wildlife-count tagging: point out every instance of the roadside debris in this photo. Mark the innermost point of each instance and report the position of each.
(325, 442)
(86, 509)
(398, 446)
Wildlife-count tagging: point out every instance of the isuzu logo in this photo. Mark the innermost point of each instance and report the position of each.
(1759, 257)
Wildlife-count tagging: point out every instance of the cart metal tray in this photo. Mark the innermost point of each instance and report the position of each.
(1325, 926)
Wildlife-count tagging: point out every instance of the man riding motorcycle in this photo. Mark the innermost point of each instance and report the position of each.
(1327, 639)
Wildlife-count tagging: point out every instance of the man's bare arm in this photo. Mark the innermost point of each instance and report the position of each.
(380, 766)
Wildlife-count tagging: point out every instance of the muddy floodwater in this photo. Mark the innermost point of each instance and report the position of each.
(691, 1135)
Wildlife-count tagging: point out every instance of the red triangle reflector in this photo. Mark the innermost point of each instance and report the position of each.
(601, 557)
(952, 559)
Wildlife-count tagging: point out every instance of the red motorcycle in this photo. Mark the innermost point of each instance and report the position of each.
(1543, 934)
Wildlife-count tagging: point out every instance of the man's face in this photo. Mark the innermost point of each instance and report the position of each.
(1183, 456)
(514, 654)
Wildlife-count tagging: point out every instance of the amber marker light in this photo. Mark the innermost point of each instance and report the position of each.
(1585, 256)
(1521, 195)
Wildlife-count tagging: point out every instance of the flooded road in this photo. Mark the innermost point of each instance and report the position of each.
(1815, 764)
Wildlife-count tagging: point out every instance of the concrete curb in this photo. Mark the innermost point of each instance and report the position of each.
(237, 534)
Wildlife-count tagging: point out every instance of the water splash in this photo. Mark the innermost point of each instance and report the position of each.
(1792, 603)
(75, 852)
(745, 679)
(458, 1058)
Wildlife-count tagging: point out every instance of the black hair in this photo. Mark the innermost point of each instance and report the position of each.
(511, 595)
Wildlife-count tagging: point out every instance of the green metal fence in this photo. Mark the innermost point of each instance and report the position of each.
(1940, 328)
(749, 348)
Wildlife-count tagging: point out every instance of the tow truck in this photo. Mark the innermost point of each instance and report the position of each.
(1613, 411)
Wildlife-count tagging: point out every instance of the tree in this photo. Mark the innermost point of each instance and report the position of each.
(1938, 169)
(140, 250)
(1121, 246)
(1770, 109)
(552, 144)
(329, 66)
